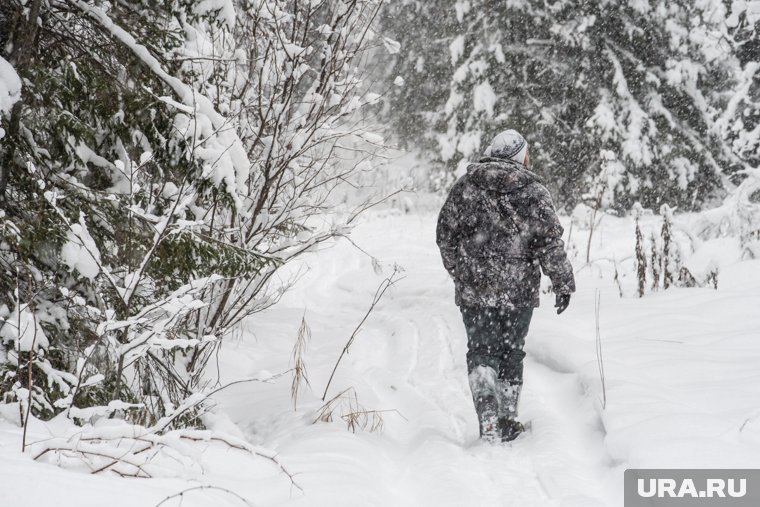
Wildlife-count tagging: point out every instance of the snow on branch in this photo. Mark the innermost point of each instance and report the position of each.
(224, 151)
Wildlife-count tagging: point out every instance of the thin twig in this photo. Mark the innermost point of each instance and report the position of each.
(384, 286)
(201, 488)
(599, 358)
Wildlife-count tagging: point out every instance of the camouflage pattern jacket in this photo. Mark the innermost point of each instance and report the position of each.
(497, 226)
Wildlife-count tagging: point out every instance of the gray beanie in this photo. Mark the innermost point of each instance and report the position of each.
(508, 144)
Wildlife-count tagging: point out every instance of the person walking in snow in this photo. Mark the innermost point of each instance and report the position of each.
(497, 226)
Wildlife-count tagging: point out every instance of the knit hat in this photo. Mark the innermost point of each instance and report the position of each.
(508, 144)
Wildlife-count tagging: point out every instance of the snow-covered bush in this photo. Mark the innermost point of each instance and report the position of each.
(738, 216)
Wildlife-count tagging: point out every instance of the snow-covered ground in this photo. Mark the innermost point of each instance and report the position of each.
(681, 371)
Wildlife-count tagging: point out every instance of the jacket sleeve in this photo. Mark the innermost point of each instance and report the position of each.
(448, 231)
(548, 245)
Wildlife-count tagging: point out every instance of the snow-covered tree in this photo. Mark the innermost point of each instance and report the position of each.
(740, 118)
(647, 80)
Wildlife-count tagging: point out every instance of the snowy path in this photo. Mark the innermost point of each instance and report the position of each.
(410, 357)
(681, 380)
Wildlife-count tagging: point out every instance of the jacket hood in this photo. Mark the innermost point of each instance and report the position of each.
(500, 174)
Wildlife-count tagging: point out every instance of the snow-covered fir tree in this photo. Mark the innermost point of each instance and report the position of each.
(740, 119)
(648, 80)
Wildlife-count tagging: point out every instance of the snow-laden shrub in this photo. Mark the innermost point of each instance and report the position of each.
(738, 216)
(164, 160)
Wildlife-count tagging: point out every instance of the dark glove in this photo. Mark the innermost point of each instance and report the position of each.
(562, 302)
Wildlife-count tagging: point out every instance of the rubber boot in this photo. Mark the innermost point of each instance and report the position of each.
(483, 386)
(509, 429)
(508, 399)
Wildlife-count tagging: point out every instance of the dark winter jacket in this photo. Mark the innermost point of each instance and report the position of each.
(497, 226)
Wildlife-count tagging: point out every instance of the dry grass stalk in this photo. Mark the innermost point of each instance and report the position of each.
(641, 258)
(299, 366)
(346, 405)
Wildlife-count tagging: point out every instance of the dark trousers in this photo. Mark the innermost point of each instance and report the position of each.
(495, 338)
